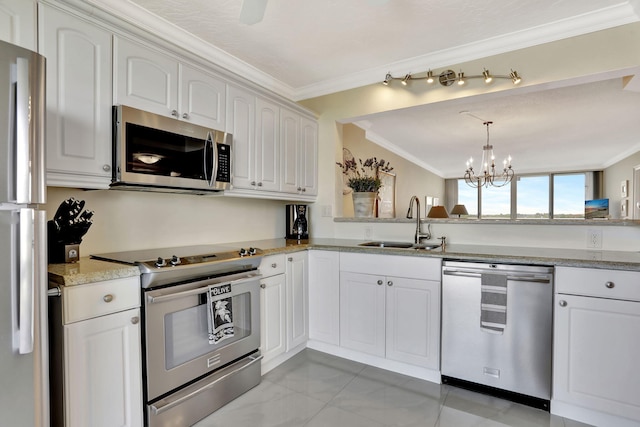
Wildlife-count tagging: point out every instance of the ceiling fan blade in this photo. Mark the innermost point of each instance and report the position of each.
(252, 11)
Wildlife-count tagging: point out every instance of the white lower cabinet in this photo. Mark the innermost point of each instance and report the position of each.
(103, 372)
(272, 317)
(297, 300)
(324, 297)
(390, 309)
(597, 346)
(283, 307)
(96, 369)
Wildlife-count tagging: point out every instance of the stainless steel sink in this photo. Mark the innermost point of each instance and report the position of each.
(398, 245)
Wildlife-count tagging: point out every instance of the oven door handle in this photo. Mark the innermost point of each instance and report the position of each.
(158, 408)
(203, 289)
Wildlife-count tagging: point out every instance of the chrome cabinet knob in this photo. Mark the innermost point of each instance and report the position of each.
(389, 283)
(107, 298)
(562, 303)
(174, 113)
(289, 259)
(610, 285)
(106, 168)
(274, 265)
(262, 285)
(253, 183)
(304, 189)
(299, 188)
(379, 282)
(260, 184)
(185, 116)
(135, 320)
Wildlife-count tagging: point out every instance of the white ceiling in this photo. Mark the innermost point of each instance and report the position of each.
(303, 49)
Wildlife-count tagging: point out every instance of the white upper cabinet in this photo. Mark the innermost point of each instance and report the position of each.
(145, 78)
(18, 22)
(151, 80)
(202, 98)
(78, 99)
(299, 145)
(267, 146)
(241, 116)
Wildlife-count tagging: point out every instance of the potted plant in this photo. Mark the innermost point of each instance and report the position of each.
(362, 178)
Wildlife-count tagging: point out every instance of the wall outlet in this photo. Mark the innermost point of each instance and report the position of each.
(368, 232)
(594, 238)
(327, 211)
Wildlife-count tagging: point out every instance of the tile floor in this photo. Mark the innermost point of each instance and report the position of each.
(314, 389)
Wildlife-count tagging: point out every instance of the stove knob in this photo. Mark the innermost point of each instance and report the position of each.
(252, 251)
(160, 262)
(243, 252)
(175, 260)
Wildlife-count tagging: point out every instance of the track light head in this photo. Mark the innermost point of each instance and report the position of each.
(429, 76)
(406, 79)
(488, 78)
(461, 79)
(515, 78)
(387, 79)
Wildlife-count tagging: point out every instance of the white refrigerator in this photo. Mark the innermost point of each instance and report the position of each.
(24, 385)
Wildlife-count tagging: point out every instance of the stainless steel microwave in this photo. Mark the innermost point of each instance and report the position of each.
(158, 153)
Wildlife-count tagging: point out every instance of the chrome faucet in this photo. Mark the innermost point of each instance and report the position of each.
(419, 235)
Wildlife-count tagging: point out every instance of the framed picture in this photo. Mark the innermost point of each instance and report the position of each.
(387, 195)
(624, 188)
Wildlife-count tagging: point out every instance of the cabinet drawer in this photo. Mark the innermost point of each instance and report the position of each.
(272, 265)
(100, 298)
(614, 284)
(392, 265)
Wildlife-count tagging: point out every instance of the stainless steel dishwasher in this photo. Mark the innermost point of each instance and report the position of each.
(497, 329)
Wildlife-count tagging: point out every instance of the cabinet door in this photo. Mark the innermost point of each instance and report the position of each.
(202, 98)
(78, 100)
(241, 123)
(290, 150)
(596, 349)
(103, 371)
(297, 300)
(324, 295)
(308, 180)
(267, 145)
(18, 23)
(413, 321)
(144, 78)
(362, 313)
(272, 317)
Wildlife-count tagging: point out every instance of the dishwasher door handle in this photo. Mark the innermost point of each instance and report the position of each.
(514, 278)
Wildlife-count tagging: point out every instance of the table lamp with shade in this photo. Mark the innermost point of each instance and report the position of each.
(459, 210)
(438, 212)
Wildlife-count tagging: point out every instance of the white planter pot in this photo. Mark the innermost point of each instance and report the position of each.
(364, 204)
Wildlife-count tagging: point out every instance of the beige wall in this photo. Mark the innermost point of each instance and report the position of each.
(410, 179)
(613, 177)
(129, 220)
(591, 57)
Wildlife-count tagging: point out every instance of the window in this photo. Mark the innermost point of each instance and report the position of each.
(531, 195)
(569, 195)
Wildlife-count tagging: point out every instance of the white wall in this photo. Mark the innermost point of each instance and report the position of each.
(128, 220)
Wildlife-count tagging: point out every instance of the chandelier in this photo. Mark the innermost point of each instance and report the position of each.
(449, 77)
(488, 175)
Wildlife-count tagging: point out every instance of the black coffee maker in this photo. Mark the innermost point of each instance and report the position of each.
(297, 222)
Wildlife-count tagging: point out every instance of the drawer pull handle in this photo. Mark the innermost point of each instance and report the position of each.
(610, 285)
(562, 303)
(107, 298)
(274, 265)
(135, 320)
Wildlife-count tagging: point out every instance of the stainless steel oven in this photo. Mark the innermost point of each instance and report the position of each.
(201, 329)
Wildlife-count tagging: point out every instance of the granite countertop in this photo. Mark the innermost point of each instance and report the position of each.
(89, 270)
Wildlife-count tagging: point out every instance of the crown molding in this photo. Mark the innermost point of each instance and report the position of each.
(140, 18)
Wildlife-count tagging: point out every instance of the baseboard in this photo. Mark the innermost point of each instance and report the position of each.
(589, 416)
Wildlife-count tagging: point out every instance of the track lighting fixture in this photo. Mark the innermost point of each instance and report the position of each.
(449, 77)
